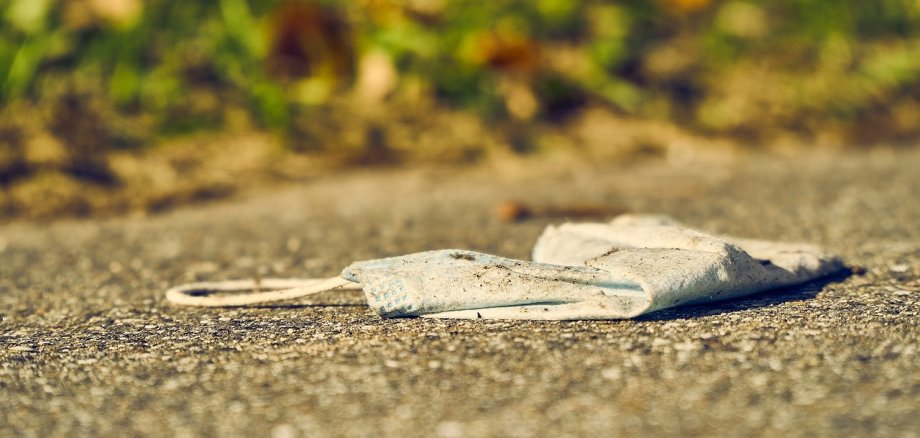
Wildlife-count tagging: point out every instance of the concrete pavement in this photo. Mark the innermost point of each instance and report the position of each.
(88, 346)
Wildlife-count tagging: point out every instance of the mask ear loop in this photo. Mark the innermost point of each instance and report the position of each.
(201, 294)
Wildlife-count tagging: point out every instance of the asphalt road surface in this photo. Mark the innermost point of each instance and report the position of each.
(88, 345)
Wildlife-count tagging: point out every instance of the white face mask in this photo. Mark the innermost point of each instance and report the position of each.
(631, 266)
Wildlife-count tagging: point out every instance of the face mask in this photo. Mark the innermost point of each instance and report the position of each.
(622, 269)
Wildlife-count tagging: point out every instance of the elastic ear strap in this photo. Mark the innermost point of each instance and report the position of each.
(200, 294)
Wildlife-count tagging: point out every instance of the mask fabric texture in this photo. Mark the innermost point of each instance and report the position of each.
(628, 267)
(622, 269)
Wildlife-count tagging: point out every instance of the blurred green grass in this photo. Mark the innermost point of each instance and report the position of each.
(720, 66)
(384, 81)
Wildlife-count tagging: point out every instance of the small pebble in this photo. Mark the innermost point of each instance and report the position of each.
(284, 431)
(449, 429)
(611, 374)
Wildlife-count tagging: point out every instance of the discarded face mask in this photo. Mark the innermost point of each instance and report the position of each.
(628, 267)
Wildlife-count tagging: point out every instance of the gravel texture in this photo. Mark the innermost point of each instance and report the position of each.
(88, 346)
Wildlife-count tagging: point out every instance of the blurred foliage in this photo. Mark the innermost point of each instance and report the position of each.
(730, 66)
(86, 85)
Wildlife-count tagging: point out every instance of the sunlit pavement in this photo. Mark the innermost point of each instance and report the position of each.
(88, 345)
